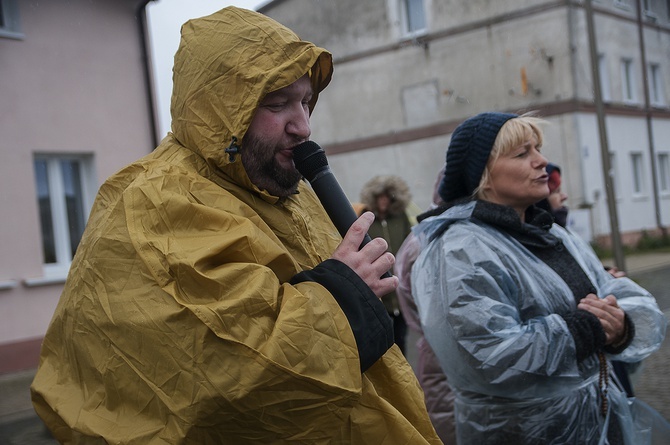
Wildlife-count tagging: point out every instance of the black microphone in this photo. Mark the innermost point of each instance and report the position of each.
(311, 162)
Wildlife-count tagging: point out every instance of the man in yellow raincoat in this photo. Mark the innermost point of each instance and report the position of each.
(211, 300)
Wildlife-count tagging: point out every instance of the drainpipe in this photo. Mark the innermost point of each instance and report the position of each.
(586, 201)
(647, 112)
(615, 235)
(141, 16)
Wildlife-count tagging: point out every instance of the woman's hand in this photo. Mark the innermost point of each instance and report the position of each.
(615, 272)
(611, 316)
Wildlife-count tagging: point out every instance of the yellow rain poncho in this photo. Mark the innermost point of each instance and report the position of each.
(178, 322)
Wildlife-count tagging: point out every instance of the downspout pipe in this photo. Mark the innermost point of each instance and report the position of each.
(141, 16)
(615, 234)
(647, 113)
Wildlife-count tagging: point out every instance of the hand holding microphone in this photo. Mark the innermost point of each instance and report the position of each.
(368, 261)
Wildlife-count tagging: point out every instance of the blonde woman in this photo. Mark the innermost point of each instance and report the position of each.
(520, 312)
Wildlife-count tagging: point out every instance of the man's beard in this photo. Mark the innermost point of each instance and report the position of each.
(258, 159)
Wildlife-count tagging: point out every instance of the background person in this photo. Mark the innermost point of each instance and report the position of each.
(211, 300)
(433, 380)
(387, 196)
(520, 312)
(555, 204)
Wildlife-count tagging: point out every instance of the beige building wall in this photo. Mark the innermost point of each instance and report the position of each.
(72, 84)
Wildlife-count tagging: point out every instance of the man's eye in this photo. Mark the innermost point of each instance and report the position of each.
(275, 105)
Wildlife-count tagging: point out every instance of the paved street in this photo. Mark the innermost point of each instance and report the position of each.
(652, 381)
(20, 426)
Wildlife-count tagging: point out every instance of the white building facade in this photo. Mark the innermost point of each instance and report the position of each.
(407, 72)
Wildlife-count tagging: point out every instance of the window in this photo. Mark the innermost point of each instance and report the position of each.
(604, 78)
(627, 80)
(9, 19)
(62, 198)
(414, 16)
(655, 85)
(647, 9)
(638, 173)
(664, 171)
(614, 174)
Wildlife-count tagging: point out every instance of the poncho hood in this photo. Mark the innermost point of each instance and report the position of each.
(226, 64)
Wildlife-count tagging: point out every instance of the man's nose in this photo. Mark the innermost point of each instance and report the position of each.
(298, 125)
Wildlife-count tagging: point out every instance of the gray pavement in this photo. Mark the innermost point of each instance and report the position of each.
(19, 425)
(652, 381)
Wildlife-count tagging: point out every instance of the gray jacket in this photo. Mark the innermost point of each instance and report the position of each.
(490, 311)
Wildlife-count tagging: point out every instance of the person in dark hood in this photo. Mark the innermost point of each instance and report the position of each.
(520, 313)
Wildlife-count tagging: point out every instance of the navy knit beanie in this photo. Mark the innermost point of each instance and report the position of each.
(468, 152)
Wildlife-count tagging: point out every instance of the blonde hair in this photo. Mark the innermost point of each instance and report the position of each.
(512, 134)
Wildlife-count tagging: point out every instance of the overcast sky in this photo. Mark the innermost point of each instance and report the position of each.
(164, 18)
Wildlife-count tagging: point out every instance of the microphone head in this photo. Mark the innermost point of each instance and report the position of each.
(309, 159)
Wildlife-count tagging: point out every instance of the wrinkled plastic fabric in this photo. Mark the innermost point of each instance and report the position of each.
(489, 310)
(177, 324)
(439, 395)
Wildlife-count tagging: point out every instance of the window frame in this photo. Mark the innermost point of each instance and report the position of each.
(407, 14)
(58, 207)
(628, 90)
(623, 4)
(603, 72)
(647, 9)
(663, 159)
(614, 167)
(10, 23)
(655, 79)
(638, 183)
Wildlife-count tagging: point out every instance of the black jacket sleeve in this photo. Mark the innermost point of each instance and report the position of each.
(371, 325)
(586, 331)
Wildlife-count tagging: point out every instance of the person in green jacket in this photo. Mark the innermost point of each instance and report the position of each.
(387, 196)
(211, 300)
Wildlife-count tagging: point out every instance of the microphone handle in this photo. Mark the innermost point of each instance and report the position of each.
(336, 204)
(333, 198)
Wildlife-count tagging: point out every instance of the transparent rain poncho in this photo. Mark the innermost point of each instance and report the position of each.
(490, 311)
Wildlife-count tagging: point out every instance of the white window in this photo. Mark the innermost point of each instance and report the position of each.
(638, 173)
(614, 174)
(664, 171)
(63, 198)
(604, 78)
(627, 80)
(412, 16)
(10, 26)
(647, 8)
(655, 85)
